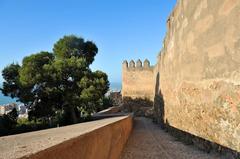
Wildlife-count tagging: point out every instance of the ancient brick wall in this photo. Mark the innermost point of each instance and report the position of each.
(199, 87)
(137, 80)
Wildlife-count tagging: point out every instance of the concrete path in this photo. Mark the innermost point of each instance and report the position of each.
(149, 141)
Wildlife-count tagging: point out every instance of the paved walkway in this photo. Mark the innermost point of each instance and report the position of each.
(149, 141)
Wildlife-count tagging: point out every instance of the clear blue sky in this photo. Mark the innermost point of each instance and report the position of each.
(122, 29)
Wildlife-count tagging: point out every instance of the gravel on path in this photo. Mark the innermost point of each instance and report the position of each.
(149, 141)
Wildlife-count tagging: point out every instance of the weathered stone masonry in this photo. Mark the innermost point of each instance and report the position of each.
(138, 79)
(196, 81)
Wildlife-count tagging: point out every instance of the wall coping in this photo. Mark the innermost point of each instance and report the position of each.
(21, 145)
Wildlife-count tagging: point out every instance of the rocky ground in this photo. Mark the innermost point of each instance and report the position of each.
(149, 141)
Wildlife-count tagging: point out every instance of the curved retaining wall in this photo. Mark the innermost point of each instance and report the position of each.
(102, 139)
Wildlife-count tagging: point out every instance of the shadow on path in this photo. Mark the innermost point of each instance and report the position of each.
(187, 138)
(149, 141)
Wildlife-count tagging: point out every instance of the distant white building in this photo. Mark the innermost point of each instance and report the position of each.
(4, 109)
(21, 108)
(22, 111)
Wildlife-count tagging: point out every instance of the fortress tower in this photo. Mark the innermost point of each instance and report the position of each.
(137, 79)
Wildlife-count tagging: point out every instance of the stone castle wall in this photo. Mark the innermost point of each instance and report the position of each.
(196, 81)
(137, 80)
(200, 70)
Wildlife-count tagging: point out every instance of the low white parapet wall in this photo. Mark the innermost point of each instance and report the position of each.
(101, 139)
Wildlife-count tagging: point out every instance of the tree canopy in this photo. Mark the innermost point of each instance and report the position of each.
(58, 82)
(70, 46)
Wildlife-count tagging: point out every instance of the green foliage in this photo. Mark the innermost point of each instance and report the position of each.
(32, 71)
(8, 122)
(58, 86)
(11, 83)
(70, 46)
(13, 115)
(23, 121)
(105, 103)
(24, 125)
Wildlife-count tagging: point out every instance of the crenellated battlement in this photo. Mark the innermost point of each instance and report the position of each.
(137, 78)
(138, 65)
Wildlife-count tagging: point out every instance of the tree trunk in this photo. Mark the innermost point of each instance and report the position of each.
(73, 115)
